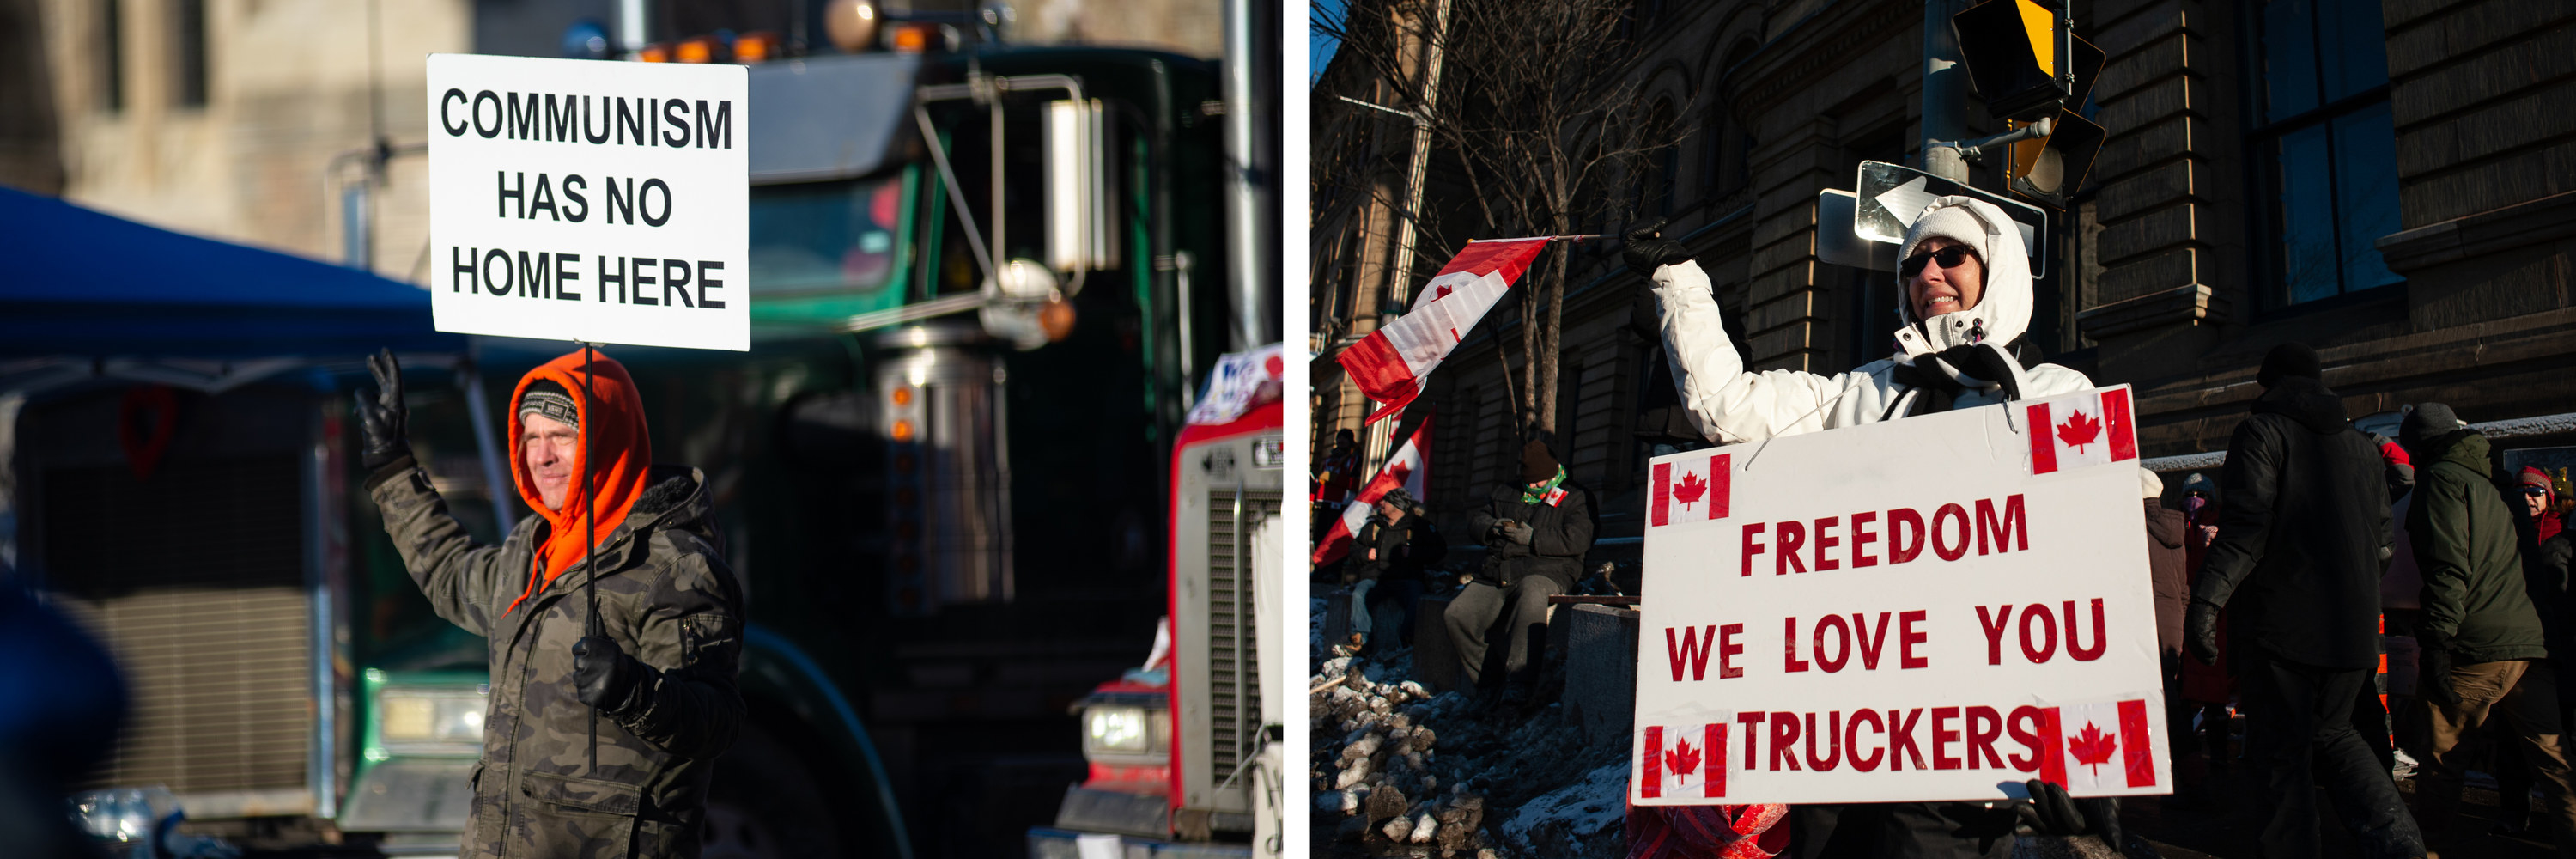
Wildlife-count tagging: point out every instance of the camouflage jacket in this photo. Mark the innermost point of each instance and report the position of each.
(665, 596)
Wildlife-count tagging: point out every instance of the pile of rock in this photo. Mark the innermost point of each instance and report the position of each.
(1377, 777)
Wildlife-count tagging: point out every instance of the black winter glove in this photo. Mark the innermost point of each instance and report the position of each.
(2200, 631)
(2049, 811)
(604, 676)
(1519, 532)
(1649, 250)
(2434, 683)
(383, 419)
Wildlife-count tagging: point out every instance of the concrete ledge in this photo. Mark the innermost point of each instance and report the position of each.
(1435, 660)
(1601, 670)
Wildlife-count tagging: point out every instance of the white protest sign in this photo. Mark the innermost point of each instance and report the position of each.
(583, 200)
(1933, 608)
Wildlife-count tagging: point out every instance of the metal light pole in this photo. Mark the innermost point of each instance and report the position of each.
(1400, 286)
(1943, 98)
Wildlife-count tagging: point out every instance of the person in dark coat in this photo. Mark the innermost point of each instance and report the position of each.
(1535, 533)
(2296, 564)
(2544, 577)
(2165, 560)
(1385, 568)
(2484, 647)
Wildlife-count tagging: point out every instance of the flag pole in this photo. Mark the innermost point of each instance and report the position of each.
(1579, 237)
(589, 534)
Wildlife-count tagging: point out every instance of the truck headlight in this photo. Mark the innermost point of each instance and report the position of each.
(1117, 729)
(431, 716)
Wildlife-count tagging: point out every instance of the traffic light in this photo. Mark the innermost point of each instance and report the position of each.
(2028, 65)
(2012, 49)
(2052, 167)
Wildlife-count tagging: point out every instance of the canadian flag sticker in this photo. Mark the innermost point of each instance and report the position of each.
(2091, 428)
(2099, 747)
(1686, 493)
(1682, 760)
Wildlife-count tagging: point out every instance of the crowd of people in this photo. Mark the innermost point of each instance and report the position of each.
(2318, 554)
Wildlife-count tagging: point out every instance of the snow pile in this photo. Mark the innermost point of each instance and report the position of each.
(1577, 819)
(1398, 771)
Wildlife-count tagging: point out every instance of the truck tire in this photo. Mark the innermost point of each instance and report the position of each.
(764, 804)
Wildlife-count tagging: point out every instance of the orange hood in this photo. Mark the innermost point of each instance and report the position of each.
(612, 429)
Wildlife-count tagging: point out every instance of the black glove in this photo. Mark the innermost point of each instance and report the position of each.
(2200, 631)
(2434, 683)
(1519, 532)
(2049, 811)
(1648, 250)
(384, 417)
(603, 676)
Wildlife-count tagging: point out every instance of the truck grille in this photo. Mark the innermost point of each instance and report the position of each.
(194, 579)
(1234, 699)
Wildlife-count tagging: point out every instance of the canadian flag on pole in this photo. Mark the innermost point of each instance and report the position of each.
(1686, 491)
(2098, 747)
(1682, 760)
(1409, 468)
(1390, 364)
(2090, 428)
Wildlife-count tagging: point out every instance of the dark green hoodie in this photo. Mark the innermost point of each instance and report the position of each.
(2465, 546)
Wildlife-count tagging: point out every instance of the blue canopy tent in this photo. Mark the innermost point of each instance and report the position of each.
(90, 285)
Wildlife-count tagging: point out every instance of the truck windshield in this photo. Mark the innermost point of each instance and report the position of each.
(838, 237)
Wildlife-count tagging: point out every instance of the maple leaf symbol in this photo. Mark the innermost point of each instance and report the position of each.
(2079, 430)
(1690, 490)
(1444, 293)
(2092, 747)
(1681, 761)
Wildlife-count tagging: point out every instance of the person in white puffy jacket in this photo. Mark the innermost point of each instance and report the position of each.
(1966, 301)
(1964, 310)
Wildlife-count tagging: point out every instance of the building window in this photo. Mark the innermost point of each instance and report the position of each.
(2326, 147)
(188, 46)
(111, 56)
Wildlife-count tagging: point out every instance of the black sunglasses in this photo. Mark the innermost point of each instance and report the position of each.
(1949, 257)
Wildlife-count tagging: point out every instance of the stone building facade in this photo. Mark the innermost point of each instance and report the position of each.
(2263, 180)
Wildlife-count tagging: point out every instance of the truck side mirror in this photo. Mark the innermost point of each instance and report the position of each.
(1081, 232)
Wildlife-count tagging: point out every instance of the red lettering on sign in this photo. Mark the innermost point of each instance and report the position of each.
(1943, 737)
(1726, 651)
(1852, 740)
(1825, 542)
(1870, 644)
(2029, 737)
(1842, 643)
(1862, 537)
(2074, 636)
(1904, 535)
(1784, 740)
(1900, 736)
(1984, 727)
(1994, 626)
(1907, 638)
(1752, 723)
(1752, 545)
(1789, 638)
(1833, 733)
(2014, 523)
(1693, 650)
(1789, 536)
(1944, 548)
(2038, 653)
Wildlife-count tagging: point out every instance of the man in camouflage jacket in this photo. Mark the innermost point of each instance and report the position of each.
(661, 673)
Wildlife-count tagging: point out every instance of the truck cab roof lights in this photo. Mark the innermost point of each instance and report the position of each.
(852, 24)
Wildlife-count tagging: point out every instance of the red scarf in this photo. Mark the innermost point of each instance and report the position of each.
(612, 426)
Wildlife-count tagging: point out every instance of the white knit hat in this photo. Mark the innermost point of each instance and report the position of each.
(2002, 312)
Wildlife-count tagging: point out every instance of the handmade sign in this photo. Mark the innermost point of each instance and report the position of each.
(593, 201)
(1933, 608)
